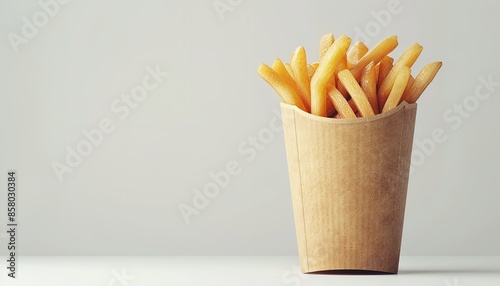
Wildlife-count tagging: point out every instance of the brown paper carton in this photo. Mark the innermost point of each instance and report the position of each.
(348, 181)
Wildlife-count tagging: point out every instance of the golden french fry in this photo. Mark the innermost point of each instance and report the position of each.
(342, 65)
(315, 65)
(330, 109)
(280, 68)
(357, 94)
(424, 77)
(324, 72)
(369, 85)
(377, 68)
(376, 54)
(341, 104)
(289, 70)
(358, 50)
(310, 71)
(352, 105)
(346, 95)
(407, 59)
(385, 67)
(284, 90)
(298, 63)
(397, 89)
(342, 89)
(411, 80)
(325, 42)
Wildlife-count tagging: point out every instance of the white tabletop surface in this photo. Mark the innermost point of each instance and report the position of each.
(235, 270)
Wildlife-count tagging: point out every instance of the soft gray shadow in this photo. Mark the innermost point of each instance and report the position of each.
(449, 271)
(349, 272)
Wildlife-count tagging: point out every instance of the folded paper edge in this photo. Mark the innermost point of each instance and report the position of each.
(401, 107)
(290, 115)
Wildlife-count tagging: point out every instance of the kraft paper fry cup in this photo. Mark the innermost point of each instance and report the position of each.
(348, 180)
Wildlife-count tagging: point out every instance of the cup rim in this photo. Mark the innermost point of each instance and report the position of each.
(402, 106)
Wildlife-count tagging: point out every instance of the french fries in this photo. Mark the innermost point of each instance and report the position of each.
(284, 90)
(397, 89)
(369, 85)
(411, 80)
(341, 104)
(357, 94)
(298, 62)
(325, 42)
(349, 83)
(325, 70)
(385, 67)
(288, 68)
(280, 68)
(376, 54)
(424, 77)
(310, 71)
(407, 59)
(357, 51)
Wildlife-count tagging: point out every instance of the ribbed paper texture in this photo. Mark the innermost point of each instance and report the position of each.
(348, 180)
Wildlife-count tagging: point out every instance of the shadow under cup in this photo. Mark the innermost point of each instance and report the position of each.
(349, 179)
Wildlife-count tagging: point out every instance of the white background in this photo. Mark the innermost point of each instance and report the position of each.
(124, 198)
